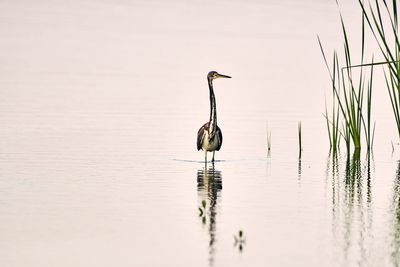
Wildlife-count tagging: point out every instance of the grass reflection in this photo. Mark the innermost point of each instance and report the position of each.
(299, 169)
(351, 206)
(395, 252)
(209, 186)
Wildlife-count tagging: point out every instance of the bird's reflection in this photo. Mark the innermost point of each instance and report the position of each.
(209, 186)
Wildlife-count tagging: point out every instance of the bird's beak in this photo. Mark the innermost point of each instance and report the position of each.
(223, 76)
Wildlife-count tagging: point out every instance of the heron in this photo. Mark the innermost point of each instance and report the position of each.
(209, 136)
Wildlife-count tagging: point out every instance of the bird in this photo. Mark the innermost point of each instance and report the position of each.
(209, 136)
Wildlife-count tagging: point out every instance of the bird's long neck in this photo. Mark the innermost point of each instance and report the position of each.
(213, 109)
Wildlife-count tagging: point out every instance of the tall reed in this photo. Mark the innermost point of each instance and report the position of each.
(348, 91)
(382, 19)
(299, 133)
(268, 139)
(347, 138)
(332, 123)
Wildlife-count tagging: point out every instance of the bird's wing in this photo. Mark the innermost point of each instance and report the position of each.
(219, 135)
(200, 135)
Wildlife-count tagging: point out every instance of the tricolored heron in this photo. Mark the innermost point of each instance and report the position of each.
(209, 136)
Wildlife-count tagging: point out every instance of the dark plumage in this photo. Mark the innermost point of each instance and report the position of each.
(202, 132)
(209, 136)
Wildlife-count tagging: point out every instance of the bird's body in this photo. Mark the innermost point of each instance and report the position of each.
(206, 141)
(209, 136)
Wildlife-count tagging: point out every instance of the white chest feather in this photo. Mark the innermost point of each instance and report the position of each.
(210, 145)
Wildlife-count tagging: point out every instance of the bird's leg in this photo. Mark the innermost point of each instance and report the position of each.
(213, 157)
(205, 157)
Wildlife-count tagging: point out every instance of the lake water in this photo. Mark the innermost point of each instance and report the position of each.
(100, 103)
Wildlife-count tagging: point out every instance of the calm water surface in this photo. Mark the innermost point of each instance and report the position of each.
(100, 103)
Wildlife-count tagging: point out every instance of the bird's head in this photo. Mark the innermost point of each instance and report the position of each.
(215, 75)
